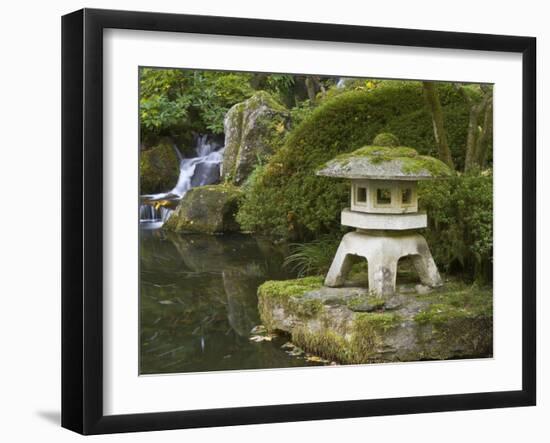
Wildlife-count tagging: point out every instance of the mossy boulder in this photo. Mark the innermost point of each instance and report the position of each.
(351, 326)
(287, 199)
(158, 169)
(254, 129)
(206, 209)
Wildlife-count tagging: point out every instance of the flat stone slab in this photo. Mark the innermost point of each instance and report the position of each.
(391, 222)
(351, 326)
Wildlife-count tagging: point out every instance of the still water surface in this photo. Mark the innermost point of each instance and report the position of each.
(198, 303)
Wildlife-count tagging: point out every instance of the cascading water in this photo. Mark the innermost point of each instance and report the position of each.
(204, 169)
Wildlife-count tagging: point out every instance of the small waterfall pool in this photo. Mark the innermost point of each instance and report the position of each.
(204, 169)
(198, 293)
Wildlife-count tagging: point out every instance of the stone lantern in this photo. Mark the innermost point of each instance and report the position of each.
(384, 212)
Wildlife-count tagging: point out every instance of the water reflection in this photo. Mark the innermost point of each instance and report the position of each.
(198, 303)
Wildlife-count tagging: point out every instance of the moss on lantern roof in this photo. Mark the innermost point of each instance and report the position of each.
(384, 162)
(386, 139)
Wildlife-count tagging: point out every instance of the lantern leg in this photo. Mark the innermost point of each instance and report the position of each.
(382, 275)
(426, 268)
(340, 266)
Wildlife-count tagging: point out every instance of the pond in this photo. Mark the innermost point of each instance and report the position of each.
(198, 303)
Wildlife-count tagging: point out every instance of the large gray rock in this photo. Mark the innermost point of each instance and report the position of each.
(351, 326)
(206, 209)
(254, 129)
(158, 169)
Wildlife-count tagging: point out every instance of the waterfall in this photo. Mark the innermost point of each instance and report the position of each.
(204, 169)
(148, 213)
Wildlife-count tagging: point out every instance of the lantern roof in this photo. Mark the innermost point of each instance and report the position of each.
(385, 163)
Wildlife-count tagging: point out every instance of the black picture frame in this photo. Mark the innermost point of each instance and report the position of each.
(82, 231)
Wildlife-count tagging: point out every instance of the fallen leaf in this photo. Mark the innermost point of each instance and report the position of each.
(316, 359)
(260, 338)
(260, 329)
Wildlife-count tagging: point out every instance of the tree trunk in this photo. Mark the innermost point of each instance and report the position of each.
(440, 135)
(313, 85)
(471, 139)
(258, 81)
(486, 135)
(477, 139)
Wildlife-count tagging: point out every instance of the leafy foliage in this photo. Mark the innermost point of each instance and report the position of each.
(175, 101)
(300, 112)
(460, 215)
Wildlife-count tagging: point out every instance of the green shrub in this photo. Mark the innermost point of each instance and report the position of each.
(287, 199)
(300, 112)
(460, 217)
(176, 103)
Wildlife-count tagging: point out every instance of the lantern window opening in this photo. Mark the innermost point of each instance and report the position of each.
(383, 196)
(361, 195)
(406, 196)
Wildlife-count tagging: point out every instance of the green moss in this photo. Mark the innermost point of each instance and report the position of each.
(375, 303)
(460, 302)
(287, 294)
(424, 163)
(411, 161)
(289, 288)
(265, 98)
(358, 346)
(367, 331)
(378, 154)
(457, 323)
(386, 139)
(325, 343)
(379, 320)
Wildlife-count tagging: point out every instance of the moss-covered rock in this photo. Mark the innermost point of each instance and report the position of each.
(452, 322)
(254, 129)
(206, 209)
(287, 199)
(158, 169)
